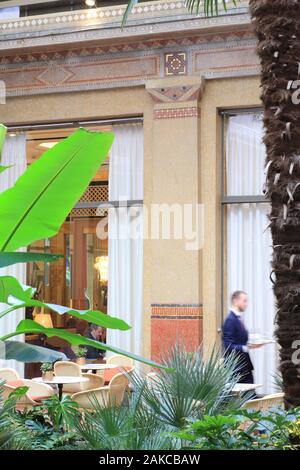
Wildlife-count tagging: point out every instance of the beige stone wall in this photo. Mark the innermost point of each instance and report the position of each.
(225, 93)
(182, 164)
(76, 105)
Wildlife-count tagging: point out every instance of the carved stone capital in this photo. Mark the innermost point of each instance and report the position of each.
(176, 89)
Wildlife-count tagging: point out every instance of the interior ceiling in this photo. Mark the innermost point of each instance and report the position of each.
(35, 138)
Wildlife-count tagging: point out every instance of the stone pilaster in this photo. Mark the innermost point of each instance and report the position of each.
(175, 293)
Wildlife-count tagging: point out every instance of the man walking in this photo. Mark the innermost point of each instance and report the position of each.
(235, 336)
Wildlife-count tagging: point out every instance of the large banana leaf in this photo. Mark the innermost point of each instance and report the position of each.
(24, 352)
(37, 205)
(4, 167)
(13, 293)
(30, 326)
(9, 258)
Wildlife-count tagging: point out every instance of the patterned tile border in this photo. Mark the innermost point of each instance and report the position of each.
(176, 113)
(176, 311)
(72, 53)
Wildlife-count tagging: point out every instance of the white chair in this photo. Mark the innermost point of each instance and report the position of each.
(266, 402)
(7, 374)
(119, 360)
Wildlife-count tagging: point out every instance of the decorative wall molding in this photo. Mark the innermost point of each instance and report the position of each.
(177, 311)
(55, 76)
(36, 58)
(204, 41)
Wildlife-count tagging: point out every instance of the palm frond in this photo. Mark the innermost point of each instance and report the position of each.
(130, 427)
(208, 7)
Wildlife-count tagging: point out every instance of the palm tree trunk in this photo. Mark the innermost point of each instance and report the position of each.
(277, 25)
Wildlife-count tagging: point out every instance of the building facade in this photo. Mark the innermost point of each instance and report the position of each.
(182, 77)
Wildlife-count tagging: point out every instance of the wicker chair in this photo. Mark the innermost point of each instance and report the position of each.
(86, 400)
(95, 381)
(113, 394)
(68, 368)
(119, 360)
(117, 387)
(35, 393)
(263, 404)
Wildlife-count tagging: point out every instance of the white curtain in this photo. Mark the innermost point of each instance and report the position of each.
(14, 153)
(125, 242)
(248, 243)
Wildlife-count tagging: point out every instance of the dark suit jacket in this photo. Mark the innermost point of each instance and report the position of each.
(92, 352)
(235, 336)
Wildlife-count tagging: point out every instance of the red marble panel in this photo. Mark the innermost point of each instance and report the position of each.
(166, 331)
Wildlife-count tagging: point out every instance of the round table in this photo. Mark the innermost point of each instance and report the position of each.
(94, 367)
(60, 381)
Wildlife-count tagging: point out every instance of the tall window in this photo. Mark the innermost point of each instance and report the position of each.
(102, 266)
(247, 243)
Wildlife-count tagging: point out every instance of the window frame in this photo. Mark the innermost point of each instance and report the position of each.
(230, 200)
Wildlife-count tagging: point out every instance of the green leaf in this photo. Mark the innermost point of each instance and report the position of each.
(10, 286)
(24, 352)
(3, 131)
(4, 167)
(91, 316)
(9, 258)
(14, 293)
(37, 205)
(30, 326)
(130, 5)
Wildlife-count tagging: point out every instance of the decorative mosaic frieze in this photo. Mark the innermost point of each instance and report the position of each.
(176, 311)
(72, 53)
(51, 77)
(176, 113)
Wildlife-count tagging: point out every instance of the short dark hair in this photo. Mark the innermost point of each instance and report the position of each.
(93, 326)
(236, 294)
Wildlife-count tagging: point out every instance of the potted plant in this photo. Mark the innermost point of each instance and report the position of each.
(47, 371)
(81, 355)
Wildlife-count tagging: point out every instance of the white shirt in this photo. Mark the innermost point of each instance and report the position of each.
(236, 312)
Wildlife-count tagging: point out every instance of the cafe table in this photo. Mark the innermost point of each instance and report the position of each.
(243, 388)
(60, 381)
(95, 366)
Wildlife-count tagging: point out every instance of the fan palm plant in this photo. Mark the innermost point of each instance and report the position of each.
(166, 403)
(130, 427)
(195, 388)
